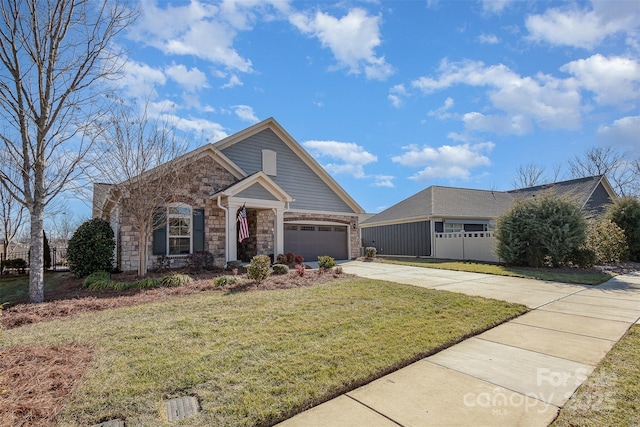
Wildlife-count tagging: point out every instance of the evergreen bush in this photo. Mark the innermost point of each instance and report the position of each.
(607, 241)
(325, 262)
(541, 231)
(258, 269)
(175, 279)
(280, 269)
(625, 212)
(90, 249)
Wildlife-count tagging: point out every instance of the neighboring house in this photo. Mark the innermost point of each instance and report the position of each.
(292, 204)
(458, 223)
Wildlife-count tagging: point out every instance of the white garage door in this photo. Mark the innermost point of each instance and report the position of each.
(312, 241)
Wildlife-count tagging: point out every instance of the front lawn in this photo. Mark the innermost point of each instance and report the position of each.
(252, 358)
(15, 289)
(579, 276)
(611, 394)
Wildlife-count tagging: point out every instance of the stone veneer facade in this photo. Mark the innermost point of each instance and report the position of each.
(204, 177)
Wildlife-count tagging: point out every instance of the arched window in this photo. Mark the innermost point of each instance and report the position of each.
(180, 229)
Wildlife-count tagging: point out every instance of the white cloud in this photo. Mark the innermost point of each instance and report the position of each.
(140, 80)
(494, 6)
(352, 39)
(624, 132)
(207, 31)
(209, 131)
(191, 80)
(585, 27)
(547, 101)
(614, 80)
(396, 93)
(234, 81)
(245, 113)
(488, 39)
(446, 161)
(443, 112)
(383, 181)
(350, 157)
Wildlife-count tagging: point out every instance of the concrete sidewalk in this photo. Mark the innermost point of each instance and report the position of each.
(519, 373)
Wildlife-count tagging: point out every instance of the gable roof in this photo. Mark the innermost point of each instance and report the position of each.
(452, 202)
(283, 135)
(259, 178)
(580, 189)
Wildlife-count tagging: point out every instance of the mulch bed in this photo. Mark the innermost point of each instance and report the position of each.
(35, 380)
(71, 298)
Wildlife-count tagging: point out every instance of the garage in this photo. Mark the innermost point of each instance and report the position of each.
(312, 241)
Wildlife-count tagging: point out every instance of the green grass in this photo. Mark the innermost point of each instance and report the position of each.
(257, 357)
(578, 276)
(611, 395)
(15, 289)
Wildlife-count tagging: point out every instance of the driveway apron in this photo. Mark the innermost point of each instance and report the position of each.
(519, 373)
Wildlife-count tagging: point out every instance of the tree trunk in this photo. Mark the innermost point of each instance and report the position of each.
(36, 259)
(142, 251)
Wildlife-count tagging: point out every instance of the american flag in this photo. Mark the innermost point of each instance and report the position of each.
(244, 225)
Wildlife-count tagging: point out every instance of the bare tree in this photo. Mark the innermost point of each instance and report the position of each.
(53, 56)
(529, 175)
(12, 216)
(133, 156)
(606, 161)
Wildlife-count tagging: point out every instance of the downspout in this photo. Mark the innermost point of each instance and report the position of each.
(226, 234)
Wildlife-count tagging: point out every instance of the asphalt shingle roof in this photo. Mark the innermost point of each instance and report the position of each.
(482, 204)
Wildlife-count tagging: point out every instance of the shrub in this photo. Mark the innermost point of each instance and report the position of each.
(280, 269)
(298, 259)
(607, 241)
(337, 271)
(325, 262)
(175, 279)
(300, 270)
(258, 269)
(370, 252)
(584, 257)
(161, 263)
(545, 230)
(290, 258)
(625, 212)
(199, 261)
(227, 280)
(281, 259)
(98, 281)
(146, 283)
(91, 248)
(16, 263)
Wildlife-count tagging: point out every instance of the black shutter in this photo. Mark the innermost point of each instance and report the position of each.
(159, 246)
(198, 230)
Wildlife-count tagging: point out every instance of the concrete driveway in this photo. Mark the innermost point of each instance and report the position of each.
(517, 374)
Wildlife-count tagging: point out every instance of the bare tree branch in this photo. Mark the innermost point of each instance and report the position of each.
(54, 57)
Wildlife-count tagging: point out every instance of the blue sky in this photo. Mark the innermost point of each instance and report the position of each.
(393, 96)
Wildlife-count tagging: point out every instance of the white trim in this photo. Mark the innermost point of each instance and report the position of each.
(258, 178)
(332, 213)
(303, 222)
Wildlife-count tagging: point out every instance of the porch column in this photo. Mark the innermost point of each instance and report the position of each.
(232, 233)
(279, 231)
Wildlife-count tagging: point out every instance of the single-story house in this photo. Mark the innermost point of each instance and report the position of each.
(458, 223)
(292, 204)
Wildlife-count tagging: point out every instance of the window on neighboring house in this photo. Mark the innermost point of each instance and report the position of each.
(452, 227)
(181, 231)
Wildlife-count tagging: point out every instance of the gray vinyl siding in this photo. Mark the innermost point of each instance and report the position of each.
(413, 238)
(597, 203)
(294, 176)
(257, 191)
